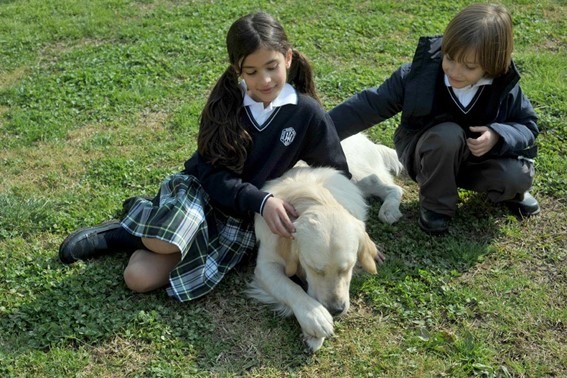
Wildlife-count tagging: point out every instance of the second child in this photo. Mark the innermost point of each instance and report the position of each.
(465, 122)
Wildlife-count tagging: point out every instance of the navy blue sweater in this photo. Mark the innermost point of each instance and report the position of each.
(295, 132)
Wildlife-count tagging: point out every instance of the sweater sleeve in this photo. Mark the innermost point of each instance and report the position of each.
(322, 145)
(227, 190)
(370, 106)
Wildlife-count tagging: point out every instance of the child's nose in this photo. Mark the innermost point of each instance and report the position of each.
(457, 70)
(266, 78)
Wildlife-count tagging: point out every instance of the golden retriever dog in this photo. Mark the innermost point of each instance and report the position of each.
(330, 238)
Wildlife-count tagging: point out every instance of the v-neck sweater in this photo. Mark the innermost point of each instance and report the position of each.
(296, 132)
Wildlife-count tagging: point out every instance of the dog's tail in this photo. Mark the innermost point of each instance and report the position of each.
(256, 292)
(390, 158)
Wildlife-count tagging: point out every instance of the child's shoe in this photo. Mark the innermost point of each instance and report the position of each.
(524, 204)
(433, 223)
(91, 242)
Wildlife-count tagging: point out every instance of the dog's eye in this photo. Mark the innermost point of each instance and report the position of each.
(319, 272)
(344, 270)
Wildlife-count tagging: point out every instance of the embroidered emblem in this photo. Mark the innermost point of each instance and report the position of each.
(288, 135)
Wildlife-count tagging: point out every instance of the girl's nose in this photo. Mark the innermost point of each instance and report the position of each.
(266, 78)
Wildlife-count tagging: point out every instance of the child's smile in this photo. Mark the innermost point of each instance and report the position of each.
(464, 72)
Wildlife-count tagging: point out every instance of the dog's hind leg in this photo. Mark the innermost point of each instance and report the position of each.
(389, 193)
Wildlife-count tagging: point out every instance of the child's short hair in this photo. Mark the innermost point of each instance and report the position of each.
(485, 29)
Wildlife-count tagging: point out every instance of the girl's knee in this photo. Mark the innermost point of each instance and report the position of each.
(136, 279)
(147, 271)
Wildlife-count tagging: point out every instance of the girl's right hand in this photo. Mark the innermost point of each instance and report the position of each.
(279, 215)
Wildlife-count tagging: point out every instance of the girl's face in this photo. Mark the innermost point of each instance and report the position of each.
(265, 74)
(465, 73)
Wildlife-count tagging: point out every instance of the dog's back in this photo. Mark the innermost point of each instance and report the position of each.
(321, 185)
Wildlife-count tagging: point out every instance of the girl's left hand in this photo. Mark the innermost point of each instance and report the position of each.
(279, 216)
(484, 142)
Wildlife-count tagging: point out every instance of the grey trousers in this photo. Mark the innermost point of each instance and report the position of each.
(443, 163)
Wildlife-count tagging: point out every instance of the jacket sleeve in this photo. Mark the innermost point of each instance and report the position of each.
(229, 191)
(370, 106)
(516, 124)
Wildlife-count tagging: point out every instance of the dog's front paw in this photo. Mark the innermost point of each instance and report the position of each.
(389, 214)
(313, 343)
(315, 321)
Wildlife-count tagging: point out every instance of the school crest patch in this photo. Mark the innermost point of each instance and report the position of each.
(288, 135)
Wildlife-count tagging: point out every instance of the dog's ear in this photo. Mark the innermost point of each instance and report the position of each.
(285, 250)
(368, 254)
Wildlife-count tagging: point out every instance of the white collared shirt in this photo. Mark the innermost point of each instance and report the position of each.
(466, 94)
(260, 113)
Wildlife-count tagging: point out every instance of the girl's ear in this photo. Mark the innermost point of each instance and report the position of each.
(236, 70)
(288, 57)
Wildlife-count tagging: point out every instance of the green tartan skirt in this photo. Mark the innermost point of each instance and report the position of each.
(211, 242)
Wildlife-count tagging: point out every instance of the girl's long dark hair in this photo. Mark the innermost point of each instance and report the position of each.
(222, 140)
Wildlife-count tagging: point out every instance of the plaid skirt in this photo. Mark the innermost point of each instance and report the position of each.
(211, 242)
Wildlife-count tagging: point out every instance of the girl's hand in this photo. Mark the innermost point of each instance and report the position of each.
(279, 216)
(484, 142)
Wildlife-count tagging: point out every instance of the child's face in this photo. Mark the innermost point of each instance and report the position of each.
(465, 73)
(265, 74)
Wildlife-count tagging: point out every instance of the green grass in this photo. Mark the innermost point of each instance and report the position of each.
(99, 101)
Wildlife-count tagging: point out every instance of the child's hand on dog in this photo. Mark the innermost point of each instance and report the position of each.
(279, 216)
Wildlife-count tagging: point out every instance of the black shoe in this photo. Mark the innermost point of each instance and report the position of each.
(433, 223)
(87, 243)
(524, 204)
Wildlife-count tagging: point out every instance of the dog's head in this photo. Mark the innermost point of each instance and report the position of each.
(328, 243)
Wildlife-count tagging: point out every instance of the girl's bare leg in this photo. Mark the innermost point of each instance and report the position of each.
(159, 246)
(148, 270)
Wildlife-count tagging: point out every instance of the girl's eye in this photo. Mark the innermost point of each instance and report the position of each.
(250, 73)
(273, 68)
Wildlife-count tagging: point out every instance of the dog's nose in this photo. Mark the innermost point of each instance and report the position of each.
(336, 309)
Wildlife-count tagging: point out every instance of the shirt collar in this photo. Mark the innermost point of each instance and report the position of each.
(287, 96)
(483, 81)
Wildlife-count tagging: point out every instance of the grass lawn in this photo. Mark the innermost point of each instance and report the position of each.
(99, 101)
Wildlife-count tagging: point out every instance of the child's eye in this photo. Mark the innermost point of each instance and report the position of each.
(250, 73)
(273, 68)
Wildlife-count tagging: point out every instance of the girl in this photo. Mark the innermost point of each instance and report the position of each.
(200, 224)
(465, 121)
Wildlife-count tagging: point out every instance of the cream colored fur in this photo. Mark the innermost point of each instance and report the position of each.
(372, 167)
(330, 239)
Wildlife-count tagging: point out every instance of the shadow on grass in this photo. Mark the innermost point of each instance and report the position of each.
(470, 235)
(414, 282)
